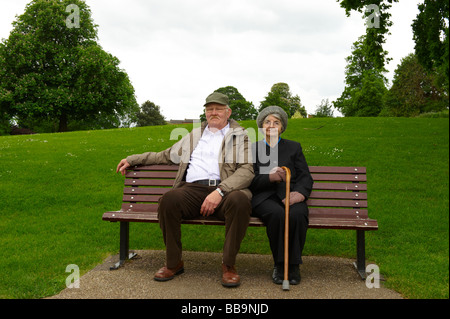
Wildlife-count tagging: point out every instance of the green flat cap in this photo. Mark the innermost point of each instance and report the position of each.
(218, 98)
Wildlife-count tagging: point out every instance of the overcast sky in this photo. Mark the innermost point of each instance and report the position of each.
(177, 52)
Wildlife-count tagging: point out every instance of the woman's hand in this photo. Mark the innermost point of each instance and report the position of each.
(294, 198)
(277, 175)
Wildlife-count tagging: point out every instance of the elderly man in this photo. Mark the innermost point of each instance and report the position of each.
(213, 179)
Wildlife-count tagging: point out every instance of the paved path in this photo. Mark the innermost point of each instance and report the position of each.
(322, 278)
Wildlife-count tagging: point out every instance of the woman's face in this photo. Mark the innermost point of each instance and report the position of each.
(272, 127)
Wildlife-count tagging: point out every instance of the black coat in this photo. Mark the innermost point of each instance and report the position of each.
(290, 154)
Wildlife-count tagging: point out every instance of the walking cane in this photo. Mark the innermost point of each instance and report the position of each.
(286, 229)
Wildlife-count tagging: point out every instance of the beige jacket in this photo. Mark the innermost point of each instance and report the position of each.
(235, 162)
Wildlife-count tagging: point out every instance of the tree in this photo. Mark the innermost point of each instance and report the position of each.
(52, 69)
(413, 91)
(241, 108)
(280, 95)
(150, 115)
(365, 84)
(366, 100)
(324, 109)
(430, 33)
(376, 13)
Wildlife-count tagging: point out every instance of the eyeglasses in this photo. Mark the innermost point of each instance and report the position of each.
(271, 123)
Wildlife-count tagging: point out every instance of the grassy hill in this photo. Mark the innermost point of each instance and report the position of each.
(55, 187)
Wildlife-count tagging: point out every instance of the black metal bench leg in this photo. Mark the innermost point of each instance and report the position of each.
(360, 263)
(124, 253)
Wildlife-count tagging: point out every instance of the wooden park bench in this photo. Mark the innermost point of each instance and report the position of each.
(338, 201)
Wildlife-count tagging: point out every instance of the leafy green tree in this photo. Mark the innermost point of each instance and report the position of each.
(280, 95)
(366, 100)
(52, 69)
(378, 22)
(324, 109)
(242, 109)
(413, 91)
(365, 84)
(430, 29)
(150, 115)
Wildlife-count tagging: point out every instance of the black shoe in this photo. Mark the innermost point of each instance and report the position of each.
(294, 274)
(278, 273)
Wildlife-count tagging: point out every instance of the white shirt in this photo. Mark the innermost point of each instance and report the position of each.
(204, 163)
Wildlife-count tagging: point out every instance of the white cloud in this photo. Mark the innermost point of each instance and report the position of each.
(177, 52)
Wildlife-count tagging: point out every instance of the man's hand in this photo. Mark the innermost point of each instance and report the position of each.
(277, 174)
(122, 167)
(210, 204)
(294, 198)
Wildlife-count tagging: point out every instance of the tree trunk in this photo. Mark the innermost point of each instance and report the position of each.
(62, 123)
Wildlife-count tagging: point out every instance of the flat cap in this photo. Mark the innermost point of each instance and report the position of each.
(218, 98)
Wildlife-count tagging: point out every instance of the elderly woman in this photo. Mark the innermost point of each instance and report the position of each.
(269, 191)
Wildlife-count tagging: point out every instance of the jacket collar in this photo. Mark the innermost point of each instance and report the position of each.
(235, 128)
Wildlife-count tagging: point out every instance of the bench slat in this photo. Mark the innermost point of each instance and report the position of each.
(145, 190)
(312, 169)
(351, 224)
(337, 203)
(149, 182)
(151, 174)
(339, 177)
(143, 209)
(131, 207)
(314, 194)
(340, 186)
(315, 212)
(141, 198)
(338, 195)
(311, 202)
(326, 199)
(329, 223)
(155, 168)
(337, 169)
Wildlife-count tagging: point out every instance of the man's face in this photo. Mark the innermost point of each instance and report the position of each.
(217, 115)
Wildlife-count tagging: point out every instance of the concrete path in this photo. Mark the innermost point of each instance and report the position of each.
(322, 278)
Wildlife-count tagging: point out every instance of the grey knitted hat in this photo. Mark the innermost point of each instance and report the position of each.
(275, 111)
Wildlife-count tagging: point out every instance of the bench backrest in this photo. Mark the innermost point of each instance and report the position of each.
(338, 192)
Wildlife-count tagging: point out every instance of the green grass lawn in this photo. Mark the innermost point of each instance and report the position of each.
(55, 187)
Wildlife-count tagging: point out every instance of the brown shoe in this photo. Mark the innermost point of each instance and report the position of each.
(230, 278)
(165, 274)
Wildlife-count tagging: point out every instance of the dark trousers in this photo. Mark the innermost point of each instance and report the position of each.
(185, 201)
(272, 213)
